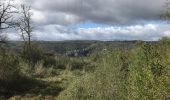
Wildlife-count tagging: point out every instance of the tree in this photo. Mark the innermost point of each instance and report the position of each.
(25, 27)
(7, 11)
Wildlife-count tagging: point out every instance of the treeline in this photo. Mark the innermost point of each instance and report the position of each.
(61, 47)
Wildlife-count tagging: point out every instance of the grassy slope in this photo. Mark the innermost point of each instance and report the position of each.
(81, 84)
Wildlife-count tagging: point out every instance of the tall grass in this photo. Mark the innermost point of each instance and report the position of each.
(142, 73)
(149, 72)
(101, 85)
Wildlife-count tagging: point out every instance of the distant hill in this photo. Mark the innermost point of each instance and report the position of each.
(62, 47)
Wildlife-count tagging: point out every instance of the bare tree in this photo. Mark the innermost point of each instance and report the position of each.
(7, 10)
(25, 24)
(25, 27)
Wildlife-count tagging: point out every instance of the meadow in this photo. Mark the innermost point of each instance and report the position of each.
(115, 70)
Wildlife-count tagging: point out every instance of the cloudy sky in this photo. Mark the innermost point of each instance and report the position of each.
(97, 19)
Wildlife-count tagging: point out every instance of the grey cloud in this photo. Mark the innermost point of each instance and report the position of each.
(101, 11)
(46, 18)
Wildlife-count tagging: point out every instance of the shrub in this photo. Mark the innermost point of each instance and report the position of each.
(141, 73)
(32, 55)
(41, 71)
(36, 54)
(149, 72)
(103, 84)
(49, 60)
(9, 69)
(76, 64)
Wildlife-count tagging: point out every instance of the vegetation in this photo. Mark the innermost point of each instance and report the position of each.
(141, 73)
(112, 74)
(97, 70)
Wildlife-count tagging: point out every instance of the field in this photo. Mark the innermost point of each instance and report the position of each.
(86, 70)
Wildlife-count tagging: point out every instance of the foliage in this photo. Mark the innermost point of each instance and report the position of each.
(49, 60)
(9, 69)
(35, 54)
(101, 85)
(131, 74)
(140, 73)
(149, 72)
(9, 65)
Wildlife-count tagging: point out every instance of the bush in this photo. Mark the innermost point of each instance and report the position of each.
(36, 54)
(141, 73)
(9, 69)
(76, 64)
(32, 55)
(103, 84)
(41, 71)
(49, 60)
(149, 72)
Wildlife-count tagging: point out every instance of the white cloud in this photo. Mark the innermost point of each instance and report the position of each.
(167, 33)
(134, 32)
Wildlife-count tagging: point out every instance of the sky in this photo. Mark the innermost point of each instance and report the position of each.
(56, 20)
